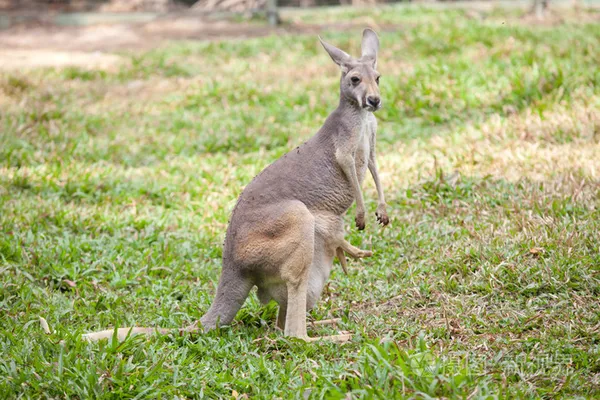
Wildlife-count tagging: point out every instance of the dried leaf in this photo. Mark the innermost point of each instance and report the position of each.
(45, 326)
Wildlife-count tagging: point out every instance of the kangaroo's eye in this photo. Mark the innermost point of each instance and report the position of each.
(355, 80)
(377, 80)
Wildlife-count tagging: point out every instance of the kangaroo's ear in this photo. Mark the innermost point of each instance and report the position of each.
(338, 56)
(370, 46)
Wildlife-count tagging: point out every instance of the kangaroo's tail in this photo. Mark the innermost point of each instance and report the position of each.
(123, 333)
(232, 291)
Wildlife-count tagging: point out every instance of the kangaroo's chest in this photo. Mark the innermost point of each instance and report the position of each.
(361, 158)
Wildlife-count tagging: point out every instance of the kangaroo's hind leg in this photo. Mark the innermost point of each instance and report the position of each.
(276, 244)
(281, 315)
(295, 272)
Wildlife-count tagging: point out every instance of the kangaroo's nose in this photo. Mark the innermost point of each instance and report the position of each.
(373, 100)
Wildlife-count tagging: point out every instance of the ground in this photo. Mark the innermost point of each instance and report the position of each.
(116, 183)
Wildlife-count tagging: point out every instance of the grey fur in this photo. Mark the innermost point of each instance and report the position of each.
(316, 179)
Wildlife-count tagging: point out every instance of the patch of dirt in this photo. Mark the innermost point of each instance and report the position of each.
(47, 45)
(14, 59)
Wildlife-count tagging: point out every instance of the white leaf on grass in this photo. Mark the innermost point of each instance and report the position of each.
(44, 325)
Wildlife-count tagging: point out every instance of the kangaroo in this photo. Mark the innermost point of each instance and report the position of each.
(287, 226)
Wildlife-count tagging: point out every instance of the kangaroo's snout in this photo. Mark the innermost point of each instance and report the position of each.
(373, 101)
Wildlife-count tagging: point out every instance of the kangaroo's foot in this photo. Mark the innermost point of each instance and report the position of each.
(342, 337)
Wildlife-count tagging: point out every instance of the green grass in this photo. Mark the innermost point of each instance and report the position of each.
(116, 187)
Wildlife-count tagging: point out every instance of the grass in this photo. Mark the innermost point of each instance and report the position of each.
(116, 187)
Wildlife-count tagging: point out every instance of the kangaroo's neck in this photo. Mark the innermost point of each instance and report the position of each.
(350, 110)
(347, 116)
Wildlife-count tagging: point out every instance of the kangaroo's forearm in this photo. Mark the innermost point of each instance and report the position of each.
(378, 185)
(349, 167)
(381, 212)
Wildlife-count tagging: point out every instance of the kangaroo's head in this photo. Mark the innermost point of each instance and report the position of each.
(360, 79)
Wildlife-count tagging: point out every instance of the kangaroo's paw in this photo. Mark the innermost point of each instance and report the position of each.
(360, 220)
(382, 216)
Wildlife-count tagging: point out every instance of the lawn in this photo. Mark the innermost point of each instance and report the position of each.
(116, 186)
